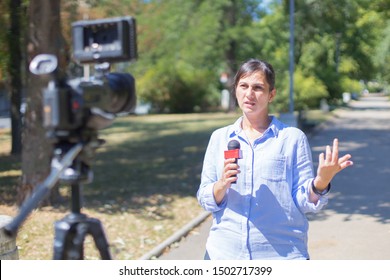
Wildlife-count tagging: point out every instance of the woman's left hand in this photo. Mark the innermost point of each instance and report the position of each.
(329, 165)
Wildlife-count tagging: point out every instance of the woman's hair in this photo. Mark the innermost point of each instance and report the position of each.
(255, 65)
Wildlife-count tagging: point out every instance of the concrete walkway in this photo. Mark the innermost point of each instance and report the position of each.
(356, 223)
(5, 122)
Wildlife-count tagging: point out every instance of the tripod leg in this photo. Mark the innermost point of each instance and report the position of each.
(61, 232)
(64, 246)
(96, 230)
(69, 240)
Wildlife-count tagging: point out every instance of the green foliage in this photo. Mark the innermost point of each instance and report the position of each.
(184, 46)
(189, 41)
(309, 90)
(352, 86)
(282, 98)
(335, 40)
(382, 56)
(374, 86)
(3, 40)
(177, 73)
(177, 88)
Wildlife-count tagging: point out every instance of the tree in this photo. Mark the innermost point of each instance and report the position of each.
(44, 36)
(382, 49)
(3, 41)
(335, 41)
(382, 56)
(15, 73)
(187, 46)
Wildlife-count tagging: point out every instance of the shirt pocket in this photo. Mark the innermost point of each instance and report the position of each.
(272, 168)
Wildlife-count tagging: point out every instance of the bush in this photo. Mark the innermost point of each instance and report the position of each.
(178, 88)
(308, 92)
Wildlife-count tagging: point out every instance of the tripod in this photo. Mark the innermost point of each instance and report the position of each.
(71, 231)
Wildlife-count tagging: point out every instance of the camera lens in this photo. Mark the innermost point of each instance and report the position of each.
(123, 97)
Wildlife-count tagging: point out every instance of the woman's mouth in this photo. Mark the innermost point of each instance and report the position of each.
(249, 103)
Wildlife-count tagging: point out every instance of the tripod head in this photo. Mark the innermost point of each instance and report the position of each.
(70, 232)
(43, 189)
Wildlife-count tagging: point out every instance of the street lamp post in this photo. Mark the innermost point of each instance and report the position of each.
(290, 118)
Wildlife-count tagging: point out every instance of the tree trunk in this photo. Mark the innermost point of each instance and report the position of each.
(14, 69)
(44, 36)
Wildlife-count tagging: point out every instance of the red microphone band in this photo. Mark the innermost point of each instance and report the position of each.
(233, 154)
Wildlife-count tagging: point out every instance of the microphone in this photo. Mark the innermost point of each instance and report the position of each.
(233, 152)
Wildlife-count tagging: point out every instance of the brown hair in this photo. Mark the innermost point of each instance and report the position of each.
(254, 65)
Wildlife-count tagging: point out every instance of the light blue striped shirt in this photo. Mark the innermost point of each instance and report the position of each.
(262, 216)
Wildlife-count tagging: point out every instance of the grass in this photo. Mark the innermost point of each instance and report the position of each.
(145, 181)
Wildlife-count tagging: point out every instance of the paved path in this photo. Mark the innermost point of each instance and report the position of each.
(5, 122)
(356, 222)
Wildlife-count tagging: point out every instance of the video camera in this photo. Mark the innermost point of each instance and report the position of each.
(72, 107)
(73, 112)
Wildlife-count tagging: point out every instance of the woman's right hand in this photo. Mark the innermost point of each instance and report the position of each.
(229, 175)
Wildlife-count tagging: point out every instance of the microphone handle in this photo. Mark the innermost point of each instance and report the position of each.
(235, 161)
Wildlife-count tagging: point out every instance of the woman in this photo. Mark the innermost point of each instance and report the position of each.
(259, 202)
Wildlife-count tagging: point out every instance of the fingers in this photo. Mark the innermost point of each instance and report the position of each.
(328, 152)
(345, 161)
(331, 154)
(321, 159)
(230, 170)
(331, 157)
(335, 153)
(345, 158)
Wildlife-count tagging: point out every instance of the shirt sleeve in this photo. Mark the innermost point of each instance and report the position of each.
(209, 176)
(303, 199)
(303, 174)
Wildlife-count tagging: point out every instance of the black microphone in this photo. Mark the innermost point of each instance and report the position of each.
(233, 152)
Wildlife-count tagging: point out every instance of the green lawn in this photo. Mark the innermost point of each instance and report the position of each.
(145, 181)
(144, 188)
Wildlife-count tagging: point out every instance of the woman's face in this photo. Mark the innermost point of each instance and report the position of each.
(253, 93)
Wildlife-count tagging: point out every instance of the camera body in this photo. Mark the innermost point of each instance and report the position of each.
(87, 104)
(73, 107)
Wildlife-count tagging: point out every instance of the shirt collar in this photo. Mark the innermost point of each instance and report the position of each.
(274, 127)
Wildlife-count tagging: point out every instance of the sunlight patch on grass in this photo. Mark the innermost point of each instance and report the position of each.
(144, 188)
(10, 173)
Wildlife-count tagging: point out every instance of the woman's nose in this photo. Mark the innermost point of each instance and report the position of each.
(249, 91)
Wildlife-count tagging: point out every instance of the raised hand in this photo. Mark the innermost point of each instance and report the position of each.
(330, 164)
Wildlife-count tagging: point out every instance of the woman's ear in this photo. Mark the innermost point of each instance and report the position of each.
(272, 95)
